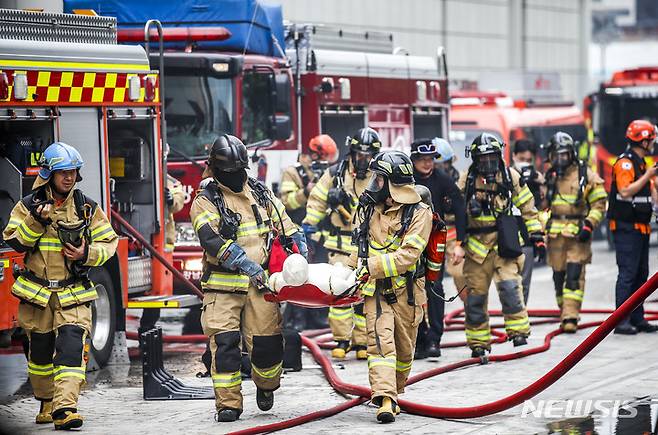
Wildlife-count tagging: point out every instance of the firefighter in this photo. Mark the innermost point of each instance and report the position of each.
(629, 213)
(297, 182)
(63, 233)
(576, 199)
(493, 249)
(446, 199)
(330, 209)
(235, 217)
(175, 200)
(393, 229)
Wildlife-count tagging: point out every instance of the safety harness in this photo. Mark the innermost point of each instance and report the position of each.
(552, 193)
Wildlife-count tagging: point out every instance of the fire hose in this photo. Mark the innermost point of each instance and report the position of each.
(559, 370)
(133, 232)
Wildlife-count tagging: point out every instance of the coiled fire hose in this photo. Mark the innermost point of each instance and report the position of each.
(590, 342)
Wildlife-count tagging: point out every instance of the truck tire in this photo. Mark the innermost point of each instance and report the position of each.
(103, 315)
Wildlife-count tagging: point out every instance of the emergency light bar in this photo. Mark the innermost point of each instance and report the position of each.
(176, 34)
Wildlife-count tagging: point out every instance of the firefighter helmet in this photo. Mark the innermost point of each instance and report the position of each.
(363, 146)
(392, 175)
(640, 130)
(562, 151)
(366, 140)
(487, 153)
(228, 154)
(59, 157)
(324, 146)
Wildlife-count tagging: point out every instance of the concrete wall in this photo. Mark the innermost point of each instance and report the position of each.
(480, 36)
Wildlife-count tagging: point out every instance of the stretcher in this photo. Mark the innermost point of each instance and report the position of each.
(310, 296)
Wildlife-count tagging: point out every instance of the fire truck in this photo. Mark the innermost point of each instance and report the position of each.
(238, 70)
(64, 78)
(475, 112)
(630, 94)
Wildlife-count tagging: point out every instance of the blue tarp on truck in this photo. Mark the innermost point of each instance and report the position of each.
(253, 23)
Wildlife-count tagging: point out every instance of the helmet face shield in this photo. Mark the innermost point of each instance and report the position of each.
(376, 191)
(361, 161)
(561, 159)
(488, 164)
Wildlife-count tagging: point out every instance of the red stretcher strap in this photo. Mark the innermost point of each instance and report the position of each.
(310, 296)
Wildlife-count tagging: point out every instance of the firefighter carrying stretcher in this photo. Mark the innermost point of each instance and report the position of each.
(393, 229)
(330, 211)
(238, 221)
(63, 234)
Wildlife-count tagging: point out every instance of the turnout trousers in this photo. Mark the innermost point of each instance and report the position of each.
(229, 317)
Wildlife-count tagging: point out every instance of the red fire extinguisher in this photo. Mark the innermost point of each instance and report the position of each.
(435, 249)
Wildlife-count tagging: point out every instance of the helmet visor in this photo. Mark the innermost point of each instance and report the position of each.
(561, 158)
(361, 161)
(376, 183)
(488, 164)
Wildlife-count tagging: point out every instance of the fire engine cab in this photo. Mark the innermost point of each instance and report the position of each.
(83, 89)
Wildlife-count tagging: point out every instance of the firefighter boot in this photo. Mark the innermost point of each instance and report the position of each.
(478, 352)
(387, 411)
(45, 414)
(519, 340)
(361, 352)
(227, 415)
(570, 326)
(264, 399)
(341, 349)
(67, 419)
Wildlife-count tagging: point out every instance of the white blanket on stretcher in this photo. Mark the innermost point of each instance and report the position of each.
(330, 278)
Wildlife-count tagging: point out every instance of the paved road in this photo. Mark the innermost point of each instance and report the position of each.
(619, 369)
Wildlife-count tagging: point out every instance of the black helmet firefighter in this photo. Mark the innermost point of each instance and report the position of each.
(392, 211)
(363, 147)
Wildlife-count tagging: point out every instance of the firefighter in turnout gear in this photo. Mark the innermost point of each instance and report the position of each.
(393, 229)
(63, 233)
(298, 180)
(175, 200)
(330, 211)
(493, 248)
(238, 221)
(576, 199)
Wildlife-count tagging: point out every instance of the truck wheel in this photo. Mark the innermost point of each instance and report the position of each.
(103, 317)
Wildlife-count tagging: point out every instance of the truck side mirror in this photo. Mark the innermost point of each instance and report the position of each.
(282, 127)
(282, 87)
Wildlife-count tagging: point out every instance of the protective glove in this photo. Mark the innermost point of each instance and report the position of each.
(585, 233)
(169, 197)
(235, 259)
(40, 211)
(335, 197)
(300, 240)
(309, 229)
(362, 273)
(538, 246)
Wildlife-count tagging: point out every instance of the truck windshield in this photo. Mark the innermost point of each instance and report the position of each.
(541, 134)
(198, 108)
(612, 115)
(257, 107)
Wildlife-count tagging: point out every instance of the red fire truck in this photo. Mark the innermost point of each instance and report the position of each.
(630, 94)
(84, 89)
